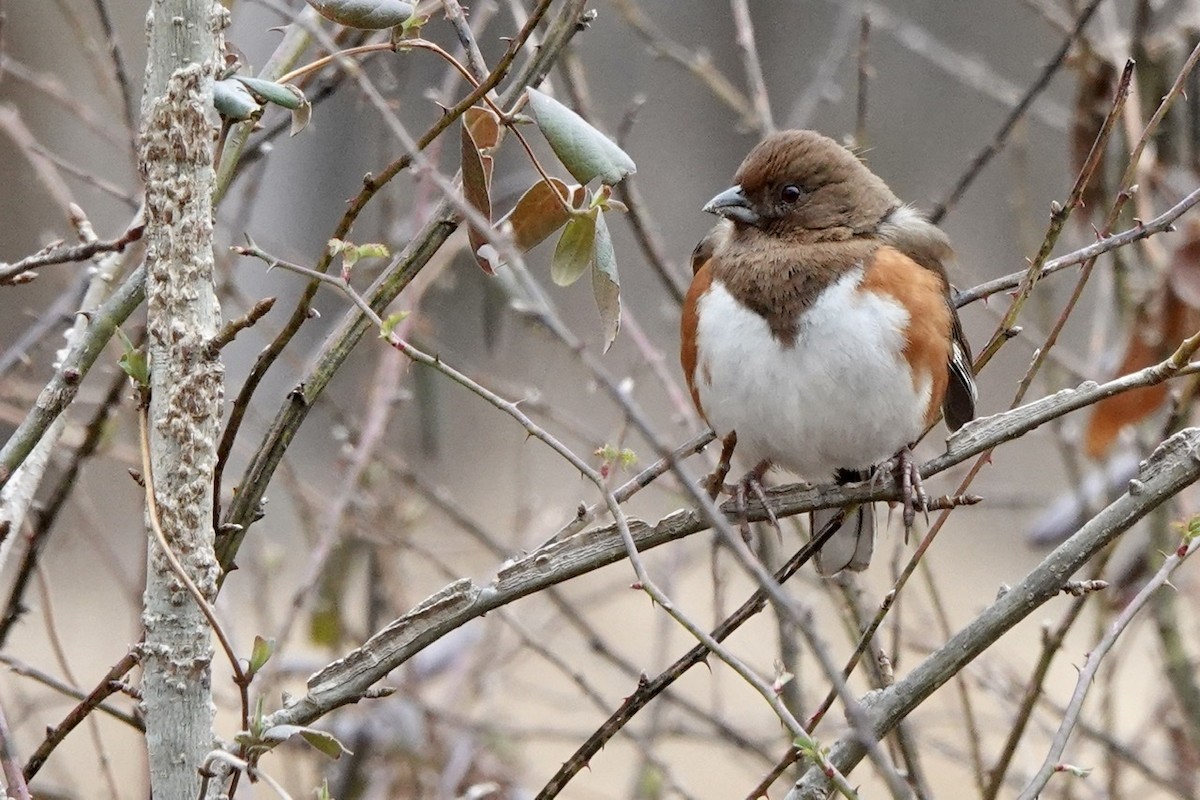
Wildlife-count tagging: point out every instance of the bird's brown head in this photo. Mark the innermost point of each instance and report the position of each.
(802, 185)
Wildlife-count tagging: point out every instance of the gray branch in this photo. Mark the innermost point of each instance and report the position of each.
(1172, 466)
(348, 679)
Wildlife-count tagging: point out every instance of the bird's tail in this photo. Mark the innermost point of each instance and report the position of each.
(851, 545)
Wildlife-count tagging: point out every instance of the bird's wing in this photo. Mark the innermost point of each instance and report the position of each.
(959, 403)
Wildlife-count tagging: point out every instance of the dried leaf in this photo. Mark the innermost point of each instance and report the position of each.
(477, 178)
(485, 127)
(573, 254)
(538, 213)
(300, 118)
(1153, 337)
(584, 151)
(367, 14)
(606, 285)
(1184, 276)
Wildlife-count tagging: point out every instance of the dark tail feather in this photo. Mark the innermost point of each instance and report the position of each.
(851, 545)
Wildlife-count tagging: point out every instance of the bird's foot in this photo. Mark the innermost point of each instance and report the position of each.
(912, 488)
(714, 483)
(752, 484)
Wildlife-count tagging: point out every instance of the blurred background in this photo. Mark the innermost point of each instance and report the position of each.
(359, 530)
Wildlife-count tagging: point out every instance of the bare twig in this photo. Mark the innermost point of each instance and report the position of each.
(60, 254)
(54, 736)
(1091, 665)
(864, 81)
(61, 389)
(14, 781)
(1171, 467)
(33, 673)
(231, 329)
(743, 26)
(124, 85)
(1162, 223)
(699, 63)
(998, 141)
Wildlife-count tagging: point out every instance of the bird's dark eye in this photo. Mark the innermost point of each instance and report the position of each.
(790, 193)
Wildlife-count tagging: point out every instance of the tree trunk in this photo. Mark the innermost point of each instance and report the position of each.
(178, 128)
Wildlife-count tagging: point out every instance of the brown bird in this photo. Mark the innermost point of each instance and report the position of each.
(819, 329)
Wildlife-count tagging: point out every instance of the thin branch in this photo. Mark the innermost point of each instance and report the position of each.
(67, 690)
(231, 329)
(433, 235)
(466, 39)
(1052, 641)
(17, 272)
(864, 81)
(1169, 469)
(15, 786)
(1001, 138)
(1058, 220)
(1163, 223)
(699, 62)
(54, 736)
(1091, 665)
(62, 388)
(251, 770)
(124, 85)
(743, 27)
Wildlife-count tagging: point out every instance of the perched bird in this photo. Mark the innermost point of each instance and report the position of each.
(819, 330)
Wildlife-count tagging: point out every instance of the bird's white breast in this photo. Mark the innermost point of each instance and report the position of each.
(841, 396)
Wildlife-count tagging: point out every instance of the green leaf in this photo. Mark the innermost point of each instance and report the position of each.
(372, 250)
(323, 741)
(573, 254)
(606, 285)
(261, 653)
(281, 94)
(584, 151)
(538, 213)
(136, 366)
(389, 325)
(134, 362)
(234, 101)
(371, 15)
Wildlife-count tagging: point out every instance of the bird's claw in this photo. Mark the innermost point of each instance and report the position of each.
(912, 488)
(752, 484)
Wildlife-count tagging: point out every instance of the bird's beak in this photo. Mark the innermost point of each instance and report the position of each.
(733, 204)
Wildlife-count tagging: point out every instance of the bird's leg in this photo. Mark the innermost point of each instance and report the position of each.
(752, 483)
(714, 482)
(912, 488)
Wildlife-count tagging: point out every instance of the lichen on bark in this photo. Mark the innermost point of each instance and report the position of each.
(186, 386)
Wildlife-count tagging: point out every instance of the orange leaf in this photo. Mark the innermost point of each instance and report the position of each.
(538, 213)
(1155, 335)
